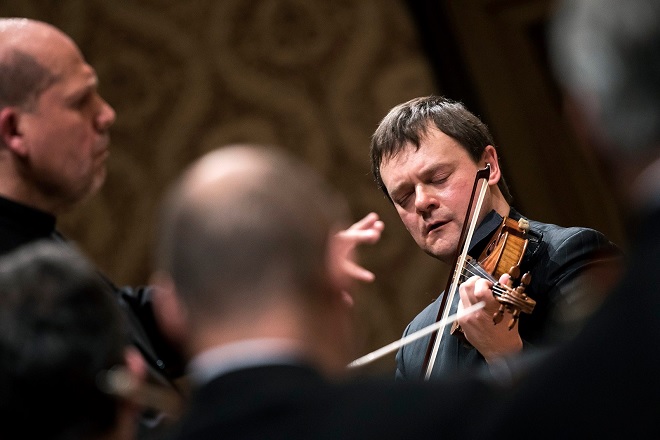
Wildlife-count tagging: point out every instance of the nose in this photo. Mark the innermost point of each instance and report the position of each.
(105, 117)
(424, 199)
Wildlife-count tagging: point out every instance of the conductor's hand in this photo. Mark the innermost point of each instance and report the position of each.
(366, 231)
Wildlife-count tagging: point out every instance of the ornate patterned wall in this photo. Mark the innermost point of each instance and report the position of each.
(187, 76)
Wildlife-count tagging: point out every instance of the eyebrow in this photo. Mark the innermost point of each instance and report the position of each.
(90, 84)
(424, 173)
(434, 168)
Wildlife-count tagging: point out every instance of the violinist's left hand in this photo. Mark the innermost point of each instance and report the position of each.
(492, 341)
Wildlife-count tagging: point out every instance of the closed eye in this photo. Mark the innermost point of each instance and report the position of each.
(82, 101)
(401, 200)
(439, 180)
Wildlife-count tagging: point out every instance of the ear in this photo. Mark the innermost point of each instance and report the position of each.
(169, 311)
(10, 134)
(489, 156)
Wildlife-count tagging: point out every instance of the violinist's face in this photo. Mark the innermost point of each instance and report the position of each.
(431, 188)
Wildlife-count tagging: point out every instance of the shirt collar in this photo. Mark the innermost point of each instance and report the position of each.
(248, 353)
(26, 216)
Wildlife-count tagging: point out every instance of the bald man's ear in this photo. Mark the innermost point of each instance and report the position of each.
(10, 135)
(170, 313)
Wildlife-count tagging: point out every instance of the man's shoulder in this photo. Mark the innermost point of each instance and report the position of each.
(556, 231)
(555, 237)
(550, 238)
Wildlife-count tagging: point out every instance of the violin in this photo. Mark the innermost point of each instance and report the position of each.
(503, 254)
(505, 250)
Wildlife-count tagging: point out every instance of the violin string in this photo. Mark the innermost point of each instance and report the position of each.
(478, 270)
(496, 284)
(472, 272)
(475, 269)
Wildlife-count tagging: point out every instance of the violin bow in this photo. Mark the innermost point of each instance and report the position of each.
(377, 354)
(467, 232)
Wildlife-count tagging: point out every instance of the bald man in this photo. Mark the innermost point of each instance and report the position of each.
(53, 123)
(53, 151)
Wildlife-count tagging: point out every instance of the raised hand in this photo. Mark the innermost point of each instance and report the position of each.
(368, 230)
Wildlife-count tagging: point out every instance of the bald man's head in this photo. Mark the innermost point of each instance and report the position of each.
(54, 125)
(27, 64)
(245, 223)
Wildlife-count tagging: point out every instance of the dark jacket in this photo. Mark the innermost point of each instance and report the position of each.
(291, 402)
(21, 224)
(558, 260)
(605, 382)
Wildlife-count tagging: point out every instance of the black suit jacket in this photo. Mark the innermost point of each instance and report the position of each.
(557, 258)
(21, 224)
(606, 382)
(295, 402)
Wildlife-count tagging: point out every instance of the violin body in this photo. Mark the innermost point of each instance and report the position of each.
(503, 254)
(506, 249)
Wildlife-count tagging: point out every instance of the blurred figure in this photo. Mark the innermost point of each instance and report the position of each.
(60, 333)
(250, 273)
(606, 55)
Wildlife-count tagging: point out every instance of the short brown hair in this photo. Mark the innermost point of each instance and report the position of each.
(408, 122)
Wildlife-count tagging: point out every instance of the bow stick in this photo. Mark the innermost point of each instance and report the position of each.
(450, 290)
(377, 354)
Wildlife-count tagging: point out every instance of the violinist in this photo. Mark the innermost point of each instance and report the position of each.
(425, 154)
